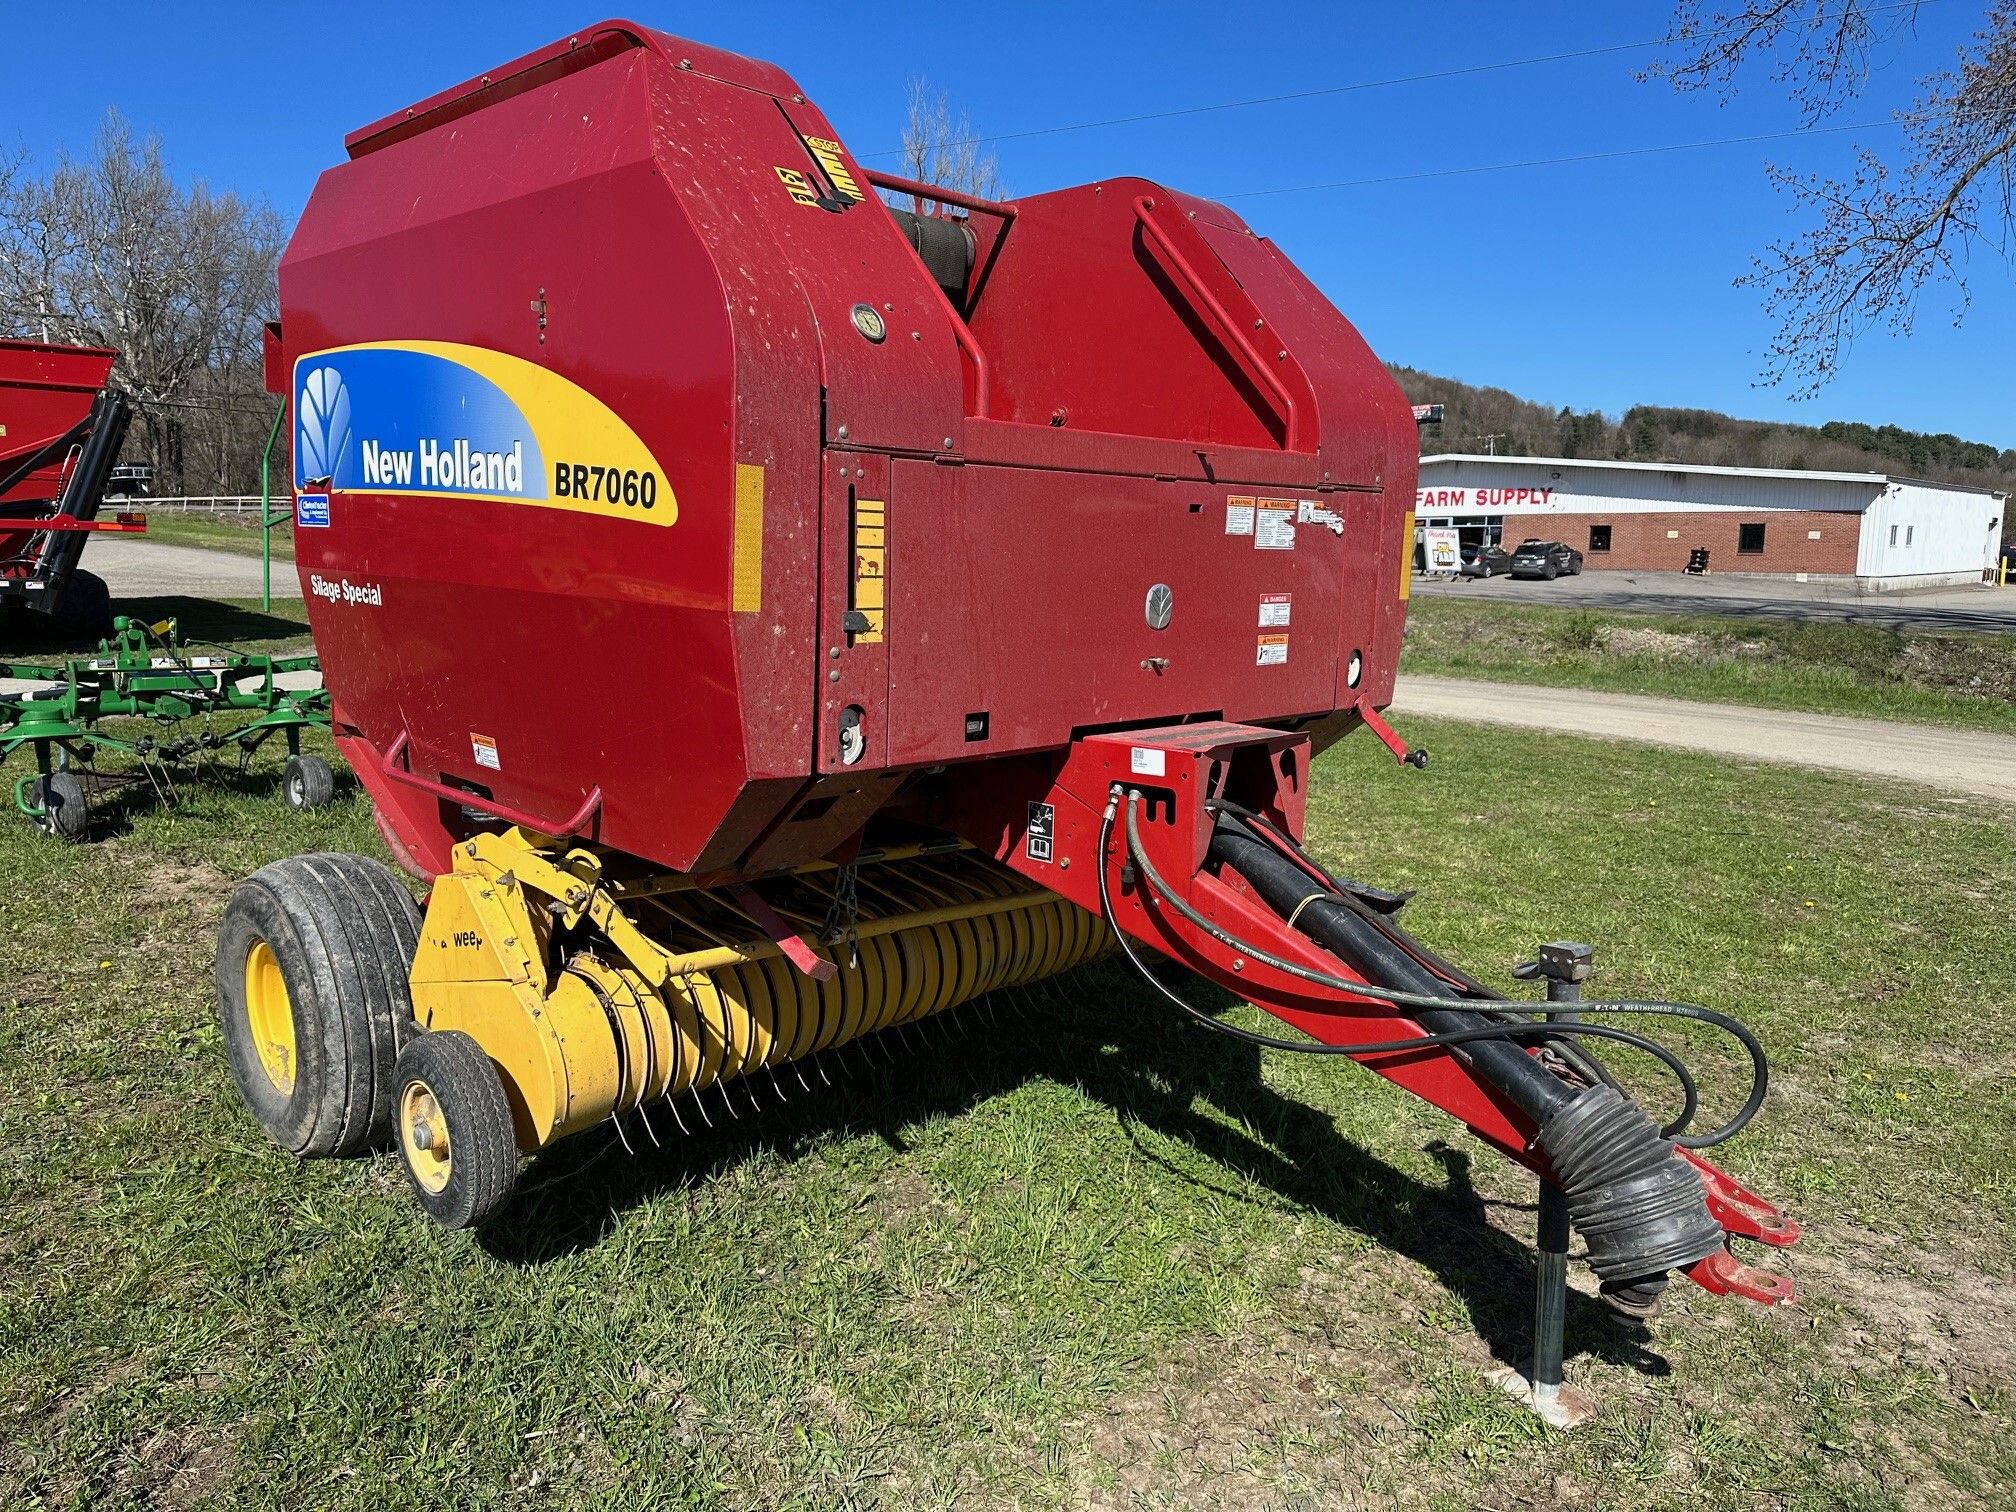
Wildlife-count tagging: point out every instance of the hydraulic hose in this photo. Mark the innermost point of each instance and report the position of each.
(1759, 1066)
(1639, 1207)
(1534, 1090)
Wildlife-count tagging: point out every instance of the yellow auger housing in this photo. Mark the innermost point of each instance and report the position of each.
(676, 988)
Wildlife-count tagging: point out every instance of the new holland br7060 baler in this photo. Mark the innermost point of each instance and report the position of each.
(770, 615)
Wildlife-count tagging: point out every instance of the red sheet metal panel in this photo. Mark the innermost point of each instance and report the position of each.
(630, 265)
(44, 390)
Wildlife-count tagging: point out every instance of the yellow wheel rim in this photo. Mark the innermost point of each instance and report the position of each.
(269, 1014)
(423, 1135)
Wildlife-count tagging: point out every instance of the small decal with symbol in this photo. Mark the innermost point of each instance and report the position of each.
(1042, 842)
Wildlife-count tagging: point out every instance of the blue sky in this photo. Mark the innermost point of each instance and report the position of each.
(1595, 285)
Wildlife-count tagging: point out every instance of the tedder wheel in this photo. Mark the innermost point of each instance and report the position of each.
(60, 796)
(454, 1128)
(312, 961)
(307, 782)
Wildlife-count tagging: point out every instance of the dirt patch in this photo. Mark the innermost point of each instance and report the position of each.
(1911, 1307)
(1636, 640)
(180, 886)
(1961, 666)
(177, 1467)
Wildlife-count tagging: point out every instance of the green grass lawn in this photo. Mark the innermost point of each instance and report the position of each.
(221, 532)
(1864, 670)
(1084, 1255)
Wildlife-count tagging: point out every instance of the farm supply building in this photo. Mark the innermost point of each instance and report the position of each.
(1882, 531)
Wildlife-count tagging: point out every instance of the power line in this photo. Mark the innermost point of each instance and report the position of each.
(1557, 162)
(1467, 71)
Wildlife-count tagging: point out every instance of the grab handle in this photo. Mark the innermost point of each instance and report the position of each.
(389, 765)
(1229, 330)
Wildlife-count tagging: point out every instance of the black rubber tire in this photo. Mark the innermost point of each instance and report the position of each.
(470, 1095)
(66, 812)
(1550, 572)
(85, 610)
(307, 782)
(343, 933)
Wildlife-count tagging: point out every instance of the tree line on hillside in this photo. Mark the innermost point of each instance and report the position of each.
(1494, 420)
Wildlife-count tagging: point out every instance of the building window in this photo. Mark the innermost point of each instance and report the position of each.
(1909, 531)
(1599, 537)
(1893, 535)
(1749, 540)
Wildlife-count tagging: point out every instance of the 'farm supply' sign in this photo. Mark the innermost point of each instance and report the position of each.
(1426, 499)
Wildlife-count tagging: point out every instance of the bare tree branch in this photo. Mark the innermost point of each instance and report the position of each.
(1879, 239)
(112, 252)
(940, 150)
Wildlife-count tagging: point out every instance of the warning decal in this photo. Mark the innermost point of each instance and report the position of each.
(484, 749)
(1274, 611)
(1273, 651)
(1042, 841)
(1239, 516)
(1274, 525)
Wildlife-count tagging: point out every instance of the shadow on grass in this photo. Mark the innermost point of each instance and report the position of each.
(1153, 1073)
(214, 622)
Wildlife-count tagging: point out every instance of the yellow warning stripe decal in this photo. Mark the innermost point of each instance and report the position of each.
(748, 585)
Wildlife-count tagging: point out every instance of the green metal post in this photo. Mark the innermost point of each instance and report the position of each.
(267, 519)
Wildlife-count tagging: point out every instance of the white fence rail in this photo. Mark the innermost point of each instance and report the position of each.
(196, 503)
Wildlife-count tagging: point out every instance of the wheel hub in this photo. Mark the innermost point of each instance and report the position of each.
(424, 1133)
(269, 1013)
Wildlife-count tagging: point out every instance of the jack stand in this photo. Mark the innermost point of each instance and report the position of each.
(1566, 966)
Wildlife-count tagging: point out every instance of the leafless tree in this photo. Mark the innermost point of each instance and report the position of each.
(1901, 222)
(110, 251)
(941, 150)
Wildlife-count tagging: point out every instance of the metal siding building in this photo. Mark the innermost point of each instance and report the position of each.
(1880, 530)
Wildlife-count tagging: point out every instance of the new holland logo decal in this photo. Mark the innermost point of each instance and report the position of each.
(437, 419)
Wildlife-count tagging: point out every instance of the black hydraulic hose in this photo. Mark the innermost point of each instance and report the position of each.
(1759, 1067)
(1642, 1209)
(1535, 1090)
(1267, 830)
(1505, 1029)
(1272, 834)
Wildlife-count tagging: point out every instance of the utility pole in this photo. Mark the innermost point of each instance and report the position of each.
(1491, 443)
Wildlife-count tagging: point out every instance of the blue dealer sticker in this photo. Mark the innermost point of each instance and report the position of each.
(311, 509)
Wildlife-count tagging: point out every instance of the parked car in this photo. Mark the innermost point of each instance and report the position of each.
(1545, 559)
(1488, 560)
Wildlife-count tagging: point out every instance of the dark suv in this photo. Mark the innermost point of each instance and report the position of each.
(1545, 559)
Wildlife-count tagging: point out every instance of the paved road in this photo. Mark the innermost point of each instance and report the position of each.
(1977, 763)
(151, 569)
(1969, 608)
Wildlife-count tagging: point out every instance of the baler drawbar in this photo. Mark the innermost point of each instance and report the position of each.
(943, 595)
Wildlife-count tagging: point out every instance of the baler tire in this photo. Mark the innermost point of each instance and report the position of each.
(307, 782)
(66, 812)
(328, 941)
(466, 1171)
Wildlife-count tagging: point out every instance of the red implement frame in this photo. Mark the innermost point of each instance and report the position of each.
(1179, 769)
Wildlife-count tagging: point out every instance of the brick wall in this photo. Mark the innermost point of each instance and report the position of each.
(1639, 542)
